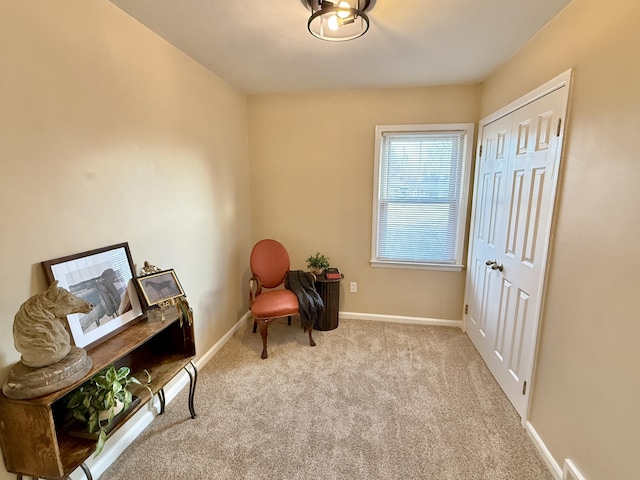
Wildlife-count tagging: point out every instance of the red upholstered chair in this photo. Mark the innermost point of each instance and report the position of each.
(269, 265)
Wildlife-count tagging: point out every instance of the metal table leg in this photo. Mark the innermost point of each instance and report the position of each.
(86, 471)
(193, 378)
(162, 399)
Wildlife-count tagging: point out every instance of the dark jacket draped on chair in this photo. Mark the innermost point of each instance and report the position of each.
(311, 306)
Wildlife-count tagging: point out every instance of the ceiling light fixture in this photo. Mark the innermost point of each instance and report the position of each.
(338, 20)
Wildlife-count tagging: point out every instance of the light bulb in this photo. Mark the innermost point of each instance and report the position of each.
(344, 13)
(332, 23)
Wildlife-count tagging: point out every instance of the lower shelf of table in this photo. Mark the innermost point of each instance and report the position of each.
(74, 450)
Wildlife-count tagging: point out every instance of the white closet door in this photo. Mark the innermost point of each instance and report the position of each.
(516, 179)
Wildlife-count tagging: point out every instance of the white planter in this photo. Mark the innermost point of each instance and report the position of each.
(103, 416)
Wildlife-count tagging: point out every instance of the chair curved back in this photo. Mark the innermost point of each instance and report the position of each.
(269, 262)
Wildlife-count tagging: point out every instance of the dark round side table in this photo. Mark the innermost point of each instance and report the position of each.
(329, 291)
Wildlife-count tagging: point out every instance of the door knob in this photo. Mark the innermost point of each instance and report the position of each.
(494, 265)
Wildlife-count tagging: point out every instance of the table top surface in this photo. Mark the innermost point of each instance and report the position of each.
(323, 278)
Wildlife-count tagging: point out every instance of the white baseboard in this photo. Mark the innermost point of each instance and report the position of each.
(400, 319)
(553, 466)
(570, 471)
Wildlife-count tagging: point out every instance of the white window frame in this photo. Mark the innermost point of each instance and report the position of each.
(456, 266)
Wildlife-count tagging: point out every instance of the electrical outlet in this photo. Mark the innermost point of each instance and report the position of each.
(353, 287)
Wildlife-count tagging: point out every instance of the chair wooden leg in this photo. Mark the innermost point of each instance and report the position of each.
(289, 320)
(264, 326)
(311, 340)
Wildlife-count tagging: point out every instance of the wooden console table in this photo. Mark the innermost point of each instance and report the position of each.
(34, 434)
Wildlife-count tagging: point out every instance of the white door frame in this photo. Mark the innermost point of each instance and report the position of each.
(562, 80)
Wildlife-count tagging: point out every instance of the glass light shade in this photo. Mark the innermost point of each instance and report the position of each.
(332, 22)
(338, 22)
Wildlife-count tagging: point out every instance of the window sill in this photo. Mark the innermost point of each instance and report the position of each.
(417, 266)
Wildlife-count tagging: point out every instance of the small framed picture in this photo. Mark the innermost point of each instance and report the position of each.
(159, 287)
(104, 278)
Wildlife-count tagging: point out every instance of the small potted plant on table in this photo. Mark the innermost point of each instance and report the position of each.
(317, 263)
(97, 401)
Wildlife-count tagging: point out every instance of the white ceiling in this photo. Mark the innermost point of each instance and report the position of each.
(263, 46)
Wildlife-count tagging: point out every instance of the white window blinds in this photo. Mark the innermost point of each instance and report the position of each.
(421, 196)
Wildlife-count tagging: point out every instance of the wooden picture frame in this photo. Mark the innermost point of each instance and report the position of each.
(159, 287)
(104, 278)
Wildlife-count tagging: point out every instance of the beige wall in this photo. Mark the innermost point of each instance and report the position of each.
(109, 134)
(312, 187)
(587, 385)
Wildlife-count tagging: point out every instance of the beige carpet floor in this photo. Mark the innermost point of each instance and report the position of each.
(372, 400)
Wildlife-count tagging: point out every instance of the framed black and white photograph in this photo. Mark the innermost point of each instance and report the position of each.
(160, 287)
(104, 278)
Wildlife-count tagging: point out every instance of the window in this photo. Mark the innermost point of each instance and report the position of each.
(421, 186)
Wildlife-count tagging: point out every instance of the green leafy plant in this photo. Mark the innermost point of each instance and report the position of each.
(102, 393)
(318, 261)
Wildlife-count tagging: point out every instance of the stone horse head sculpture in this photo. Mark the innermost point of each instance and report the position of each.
(39, 332)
